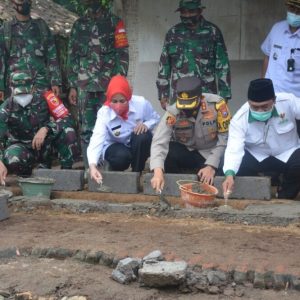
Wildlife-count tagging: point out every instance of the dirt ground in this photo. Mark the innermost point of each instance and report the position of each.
(259, 247)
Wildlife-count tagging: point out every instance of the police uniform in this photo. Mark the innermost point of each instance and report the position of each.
(189, 142)
(269, 146)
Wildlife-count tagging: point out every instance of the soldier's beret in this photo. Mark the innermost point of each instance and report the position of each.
(189, 4)
(261, 90)
(188, 90)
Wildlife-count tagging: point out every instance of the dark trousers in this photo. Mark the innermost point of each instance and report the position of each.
(121, 157)
(298, 127)
(290, 185)
(179, 159)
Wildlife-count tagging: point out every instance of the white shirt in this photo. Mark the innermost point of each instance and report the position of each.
(277, 46)
(110, 128)
(277, 137)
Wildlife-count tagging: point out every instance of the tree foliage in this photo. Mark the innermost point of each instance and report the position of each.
(78, 6)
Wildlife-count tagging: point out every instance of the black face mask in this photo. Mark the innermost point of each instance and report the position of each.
(24, 8)
(189, 21)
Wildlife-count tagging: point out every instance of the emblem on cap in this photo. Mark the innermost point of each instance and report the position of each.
(184, 96)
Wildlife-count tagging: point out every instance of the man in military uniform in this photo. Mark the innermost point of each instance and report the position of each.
(194, 47)
(191, 135)
(98, 50)
(27, 134)
(27, 45)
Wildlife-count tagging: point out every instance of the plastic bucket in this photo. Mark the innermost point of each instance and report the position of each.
(36, 186)
(191, 198)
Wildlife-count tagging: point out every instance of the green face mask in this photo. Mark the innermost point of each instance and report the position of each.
(261, 116)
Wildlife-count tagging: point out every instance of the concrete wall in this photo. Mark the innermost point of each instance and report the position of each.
(244, 24)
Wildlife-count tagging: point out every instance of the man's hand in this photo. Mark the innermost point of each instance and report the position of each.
(158, 181)
(140, 128)
(164, 103)
(55, 90)
(228, 185)
(39, 138)
(95, 174)
(206, 175)
(3, 173)
(1, 96)
(73, 96)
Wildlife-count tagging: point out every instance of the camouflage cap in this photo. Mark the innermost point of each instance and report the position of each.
(189, 89)
(189, 4)
(21, 83)
(294, 3)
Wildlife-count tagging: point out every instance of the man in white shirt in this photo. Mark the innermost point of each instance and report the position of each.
(282, 52)
(263, 138)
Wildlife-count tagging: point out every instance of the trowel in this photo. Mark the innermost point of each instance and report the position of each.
(162, 199)
(103, 188)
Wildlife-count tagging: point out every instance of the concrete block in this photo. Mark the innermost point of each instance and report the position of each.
(255, 188)
(126, 270)
(171, 187)
(4, 213)
(116, 182)
(259, 281)
(65, 180)
(163, 274)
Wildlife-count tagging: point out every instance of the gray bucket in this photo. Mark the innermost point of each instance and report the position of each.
(4, 213)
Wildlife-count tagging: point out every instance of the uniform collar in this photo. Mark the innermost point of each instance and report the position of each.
(288, 31)
(274, 114)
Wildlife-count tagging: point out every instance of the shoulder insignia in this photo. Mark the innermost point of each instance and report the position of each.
(223, 117)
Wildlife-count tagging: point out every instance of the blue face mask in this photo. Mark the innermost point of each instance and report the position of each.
(293, 19)
(261, 116)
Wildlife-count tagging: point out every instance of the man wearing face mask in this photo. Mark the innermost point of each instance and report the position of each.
(98, 50)
(194, 47)
(27, 134)
(27, 44)
(263, 138)
(191, 135)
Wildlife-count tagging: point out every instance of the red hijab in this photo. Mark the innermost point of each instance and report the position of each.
(118, 85)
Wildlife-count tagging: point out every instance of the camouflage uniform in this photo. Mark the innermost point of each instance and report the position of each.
(18, 126)
(98, 50)
(28, 47)
(200, 52)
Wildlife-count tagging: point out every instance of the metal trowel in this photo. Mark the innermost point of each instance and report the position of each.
(103, 188)
(162, 199)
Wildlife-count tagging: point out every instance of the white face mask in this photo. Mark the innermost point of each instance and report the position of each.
(23, 99)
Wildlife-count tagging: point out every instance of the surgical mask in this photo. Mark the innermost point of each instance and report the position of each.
(293, 19)
(189, 21)
(25, 8)
(121, 109)
(261, 116)
(23, 99)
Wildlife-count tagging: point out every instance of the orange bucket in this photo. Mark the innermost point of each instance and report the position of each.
(191, 198)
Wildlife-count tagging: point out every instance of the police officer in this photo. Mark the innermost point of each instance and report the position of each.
(191, 135)
(98, 50)
(27, 45)
(194, 47)
(263, 138)
(27, 134)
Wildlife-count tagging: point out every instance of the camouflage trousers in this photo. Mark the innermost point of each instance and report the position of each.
(20, 158)
(88, 105)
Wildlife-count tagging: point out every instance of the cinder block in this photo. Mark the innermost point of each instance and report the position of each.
(171, 187)
(65, 180)
(4, 213)
(255, 188)
(116, 182)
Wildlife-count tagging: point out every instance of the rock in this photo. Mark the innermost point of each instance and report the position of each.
(229, 292)
(80, 255)
(269, 280)
(239, 277)
(197, 280)
(2, 298)
(239, 292)
(126, 270)
(4, 294)
(295, 283)
(93, 257)
(259, 280)
(24, 296)
(106, 260)
(214, 290)
(163, 274)
(217, 278)
(155, 255)
(279, 282)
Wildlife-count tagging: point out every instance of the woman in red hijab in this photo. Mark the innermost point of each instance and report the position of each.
(123, 131)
